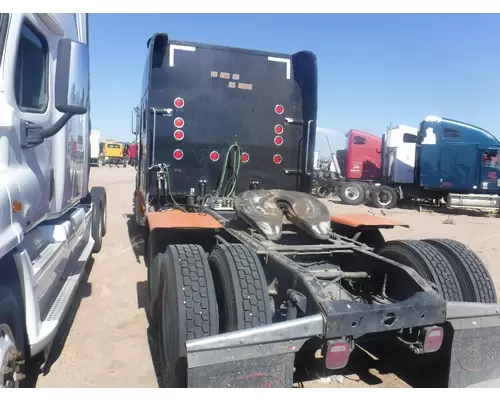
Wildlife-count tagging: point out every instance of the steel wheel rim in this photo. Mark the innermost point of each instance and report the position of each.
(8, 355)
(352, 192)
(384, 198)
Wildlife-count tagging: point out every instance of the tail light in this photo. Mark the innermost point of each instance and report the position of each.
(245, 157)
(179, 102)
(178, 154)
(178, 134)
(279, 109)
(278, 140)
(278, 129)
(277, 159)
(178, 122)
(432, 338)
(214, 156)
(337, 354)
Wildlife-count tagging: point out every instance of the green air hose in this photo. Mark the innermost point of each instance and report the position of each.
(233, 180)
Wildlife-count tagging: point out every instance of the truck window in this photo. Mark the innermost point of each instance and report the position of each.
(451, 133)
(4, 23)
(359, 140)
(31, 70)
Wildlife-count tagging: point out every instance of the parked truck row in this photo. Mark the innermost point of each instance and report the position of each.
(443, 161)
(248, 274)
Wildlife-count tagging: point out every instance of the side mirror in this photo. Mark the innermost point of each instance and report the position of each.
(71, 91)
(72, 77)
(409, 138)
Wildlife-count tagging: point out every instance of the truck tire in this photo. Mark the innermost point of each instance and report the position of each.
(428, 262)
(352, 193)
(473, 275)
(98, 198)
(154, 252)
(12, 338)
(241, 288)
(384, 197)
(322, 192)
(187, 308)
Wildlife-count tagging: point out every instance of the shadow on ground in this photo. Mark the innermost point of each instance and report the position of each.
(35, 367)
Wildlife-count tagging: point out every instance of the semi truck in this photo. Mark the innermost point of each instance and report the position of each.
(444, 161)
(454, 162)
(364, 163)
(248, 273)
(50, 222)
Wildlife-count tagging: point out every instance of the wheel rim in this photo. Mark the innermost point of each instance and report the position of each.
(384, 198)
(322, 191)
(352, 192)
(10, 359)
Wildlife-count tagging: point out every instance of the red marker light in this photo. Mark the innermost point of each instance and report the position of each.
(278, 140)
(278, 129)
(178, 154)
(337, 355)
(178, 102)
(279, 109)
(214, 156)
(245, 157)
(178, 134)
(433, 338)
(179, 122)
(277, 159)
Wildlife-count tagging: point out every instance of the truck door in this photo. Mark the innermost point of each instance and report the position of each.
(458, 166)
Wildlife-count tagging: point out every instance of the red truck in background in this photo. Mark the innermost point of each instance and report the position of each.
(132, 154)
(354, 167)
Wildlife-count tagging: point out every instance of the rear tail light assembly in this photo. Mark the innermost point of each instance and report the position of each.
(277, 159)
(337, 354)
(245, 157)
(431, 338)
(278, 129)
(278, 140)
(279, 109)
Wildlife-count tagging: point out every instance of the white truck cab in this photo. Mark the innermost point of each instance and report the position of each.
(49, 221)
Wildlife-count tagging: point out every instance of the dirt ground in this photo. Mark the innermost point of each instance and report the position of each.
(104, 342)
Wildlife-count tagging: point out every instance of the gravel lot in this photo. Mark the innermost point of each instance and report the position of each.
(104, 342)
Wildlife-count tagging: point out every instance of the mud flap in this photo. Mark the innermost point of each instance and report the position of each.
(262, 372)
(261, 357)
(474, 344)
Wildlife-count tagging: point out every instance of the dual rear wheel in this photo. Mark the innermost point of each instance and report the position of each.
(200, 296)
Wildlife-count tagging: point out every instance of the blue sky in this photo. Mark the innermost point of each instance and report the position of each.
(373, 69)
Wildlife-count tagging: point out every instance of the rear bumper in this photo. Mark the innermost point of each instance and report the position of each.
(264, 356)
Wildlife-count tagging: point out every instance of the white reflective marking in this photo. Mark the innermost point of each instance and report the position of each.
(286, 61)
(174, 47)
